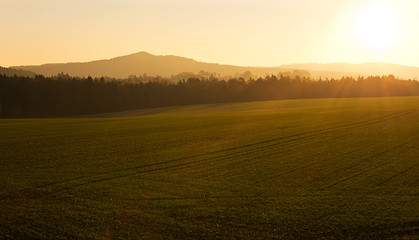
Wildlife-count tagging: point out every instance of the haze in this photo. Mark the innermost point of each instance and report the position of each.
(243, 33)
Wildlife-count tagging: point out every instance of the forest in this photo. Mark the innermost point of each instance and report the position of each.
(63, 95)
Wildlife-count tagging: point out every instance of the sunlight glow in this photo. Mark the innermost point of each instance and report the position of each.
(376, 26)
(243, 33)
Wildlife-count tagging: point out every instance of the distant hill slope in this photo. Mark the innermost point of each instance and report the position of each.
(138, 64)
(365, 69)
(166, 66)
(17, 72)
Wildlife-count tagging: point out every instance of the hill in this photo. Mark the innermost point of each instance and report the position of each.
(364, 69)
(138, 64)
(167, 66)
(10, 72)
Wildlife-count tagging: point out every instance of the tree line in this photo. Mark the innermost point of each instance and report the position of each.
(63, 95)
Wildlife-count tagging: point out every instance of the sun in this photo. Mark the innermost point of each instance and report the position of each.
(375, 26)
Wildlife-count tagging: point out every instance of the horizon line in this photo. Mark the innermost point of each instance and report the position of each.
(200, 61)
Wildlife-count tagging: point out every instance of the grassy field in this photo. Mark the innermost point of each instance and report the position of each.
(298, 169)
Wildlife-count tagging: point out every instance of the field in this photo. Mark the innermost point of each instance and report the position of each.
(297, 169)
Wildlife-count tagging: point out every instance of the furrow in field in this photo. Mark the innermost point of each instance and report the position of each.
(166, 168)
(397, 175)
(397, 148)
(176, 166)
(173, 167)
(168, 161)
(305, 166)
(230, 156)
(246, 149)
(275, 158)
(354, 165)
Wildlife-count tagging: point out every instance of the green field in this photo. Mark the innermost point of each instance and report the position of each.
(297, 169)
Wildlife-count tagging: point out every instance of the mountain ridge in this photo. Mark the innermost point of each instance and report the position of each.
(18, 72)
(168, 65)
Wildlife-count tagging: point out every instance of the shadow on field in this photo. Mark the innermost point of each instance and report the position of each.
(406, 230)
(133, 113)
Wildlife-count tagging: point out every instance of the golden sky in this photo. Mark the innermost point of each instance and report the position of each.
(242, 32)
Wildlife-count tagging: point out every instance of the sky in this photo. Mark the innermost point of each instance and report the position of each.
(236, 32)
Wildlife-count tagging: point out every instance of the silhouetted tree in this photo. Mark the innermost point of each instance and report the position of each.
(64, 95)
